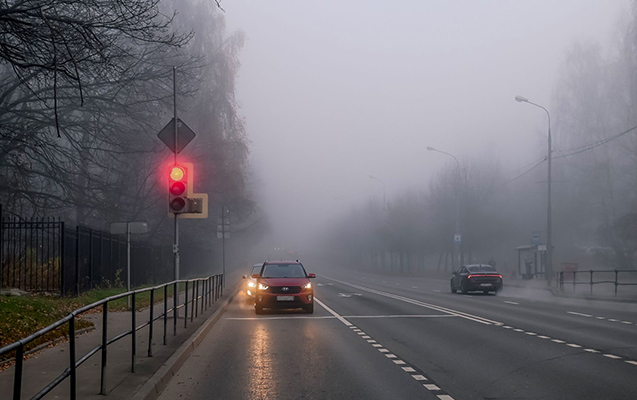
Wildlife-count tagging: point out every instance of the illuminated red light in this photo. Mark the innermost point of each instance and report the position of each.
(177, 173)
(475, 276)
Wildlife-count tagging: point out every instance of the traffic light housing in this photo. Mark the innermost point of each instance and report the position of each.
(181, 199)
(179, 186)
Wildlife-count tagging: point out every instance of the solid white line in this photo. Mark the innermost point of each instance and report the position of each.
(461, 314)
(512, 302)
(273, 318)
(580, 314)
(334, 313)
(401, 316)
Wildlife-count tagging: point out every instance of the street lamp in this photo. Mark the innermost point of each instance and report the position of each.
(382, 183)
(457, 232)
(549, 227)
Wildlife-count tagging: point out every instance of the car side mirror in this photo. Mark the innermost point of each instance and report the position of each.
(311, 275)
(255, 276)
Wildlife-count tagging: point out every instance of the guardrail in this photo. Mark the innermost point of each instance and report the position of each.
(591, 281)
(211, 290)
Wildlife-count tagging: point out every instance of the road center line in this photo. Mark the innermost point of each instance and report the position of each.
(580, 314)
(445, 310)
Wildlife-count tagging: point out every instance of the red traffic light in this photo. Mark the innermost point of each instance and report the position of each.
(179, 181)
(177, 188)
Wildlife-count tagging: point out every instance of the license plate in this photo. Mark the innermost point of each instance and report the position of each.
(485, 284)
(285, 298)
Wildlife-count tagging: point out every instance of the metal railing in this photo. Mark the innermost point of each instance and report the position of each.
(199, 300)
(589, 279)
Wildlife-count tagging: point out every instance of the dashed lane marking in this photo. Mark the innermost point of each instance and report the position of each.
(414, 287)
(600, 317)
(413, 372)
(631, 362)
(512, 302)
(580, 314)
(614, 357)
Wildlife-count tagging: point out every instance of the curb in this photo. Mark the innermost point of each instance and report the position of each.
(160, 379)
(557, 293)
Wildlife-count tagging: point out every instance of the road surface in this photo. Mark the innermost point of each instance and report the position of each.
(383, 337)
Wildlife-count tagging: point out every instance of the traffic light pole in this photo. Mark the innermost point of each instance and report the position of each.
(176, 243)
(223, 245)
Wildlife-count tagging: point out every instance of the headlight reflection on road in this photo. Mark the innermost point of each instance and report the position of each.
(261, 376)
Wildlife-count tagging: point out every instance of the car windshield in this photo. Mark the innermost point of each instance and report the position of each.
(256, 269)
(284, 271)
(481, 268)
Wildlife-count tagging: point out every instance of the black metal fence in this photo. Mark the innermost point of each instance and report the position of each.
(597, 277)
(199, 294)
(44, 255)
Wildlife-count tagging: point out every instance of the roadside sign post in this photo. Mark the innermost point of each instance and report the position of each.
(120, 228)
(223, 233)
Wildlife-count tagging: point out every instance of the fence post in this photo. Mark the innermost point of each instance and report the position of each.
(77, 260)
(63, 288)
(591, 271)
(616, 282)
(175, 311)
(72, 357)
(17, 378)
(165, 311)
(195, 300)
(90, 258)
(186, 306)
(150, 326)
(133, 335)
(104, 347)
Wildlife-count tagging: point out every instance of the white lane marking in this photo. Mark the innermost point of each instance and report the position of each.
(383, 350)
(401, 316)
(384, 281)
(436, 290)
(557, 341)
(377, 345)
(371, 341)
(431, 387)
(275, 318)
(543, 337)
(359, 332)
(512, 302)
(408, 369)
(631, 362)
(446, 310)
(626, 322)
(365, 337)
(592, 350)
(531, 333)
(600, 317)
(507, 327)
(414, 287)
(353, 327)
(573, 345)
(445, 397)
(397, 284)
(343, 320)
(519, 330)
(419, 377)
(391, 355)
(613, 320)
(614, 357)
(399, 362)
(580, 314)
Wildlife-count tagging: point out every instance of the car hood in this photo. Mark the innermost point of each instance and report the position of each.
(284, 281)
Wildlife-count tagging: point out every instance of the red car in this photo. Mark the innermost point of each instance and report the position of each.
(283, 284)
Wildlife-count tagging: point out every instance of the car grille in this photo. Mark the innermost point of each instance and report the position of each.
(279, 289)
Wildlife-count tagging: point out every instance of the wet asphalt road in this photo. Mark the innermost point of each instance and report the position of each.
(382, 337)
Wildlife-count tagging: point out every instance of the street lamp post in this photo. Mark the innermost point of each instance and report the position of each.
(382, 183)
(457, 228)
(549, 226)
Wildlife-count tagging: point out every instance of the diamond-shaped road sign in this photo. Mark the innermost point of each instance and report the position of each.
(184, 135)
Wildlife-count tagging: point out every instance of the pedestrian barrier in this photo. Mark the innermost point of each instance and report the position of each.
(199, 300)
(564, 275)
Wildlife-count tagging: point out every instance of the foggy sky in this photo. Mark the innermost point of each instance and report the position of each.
(335, 91)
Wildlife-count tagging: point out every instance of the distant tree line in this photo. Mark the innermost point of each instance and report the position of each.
(594, 111)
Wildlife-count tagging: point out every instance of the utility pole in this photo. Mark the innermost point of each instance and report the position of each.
(176, 235)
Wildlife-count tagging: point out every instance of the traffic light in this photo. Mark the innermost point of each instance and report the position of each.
(178, 189)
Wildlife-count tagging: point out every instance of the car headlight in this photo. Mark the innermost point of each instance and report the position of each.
(262, 286)
(252, 284)
(307, 286)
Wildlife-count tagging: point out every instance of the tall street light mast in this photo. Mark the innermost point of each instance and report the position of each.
(458, 243)
(549, 226)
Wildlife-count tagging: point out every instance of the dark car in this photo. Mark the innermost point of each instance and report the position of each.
(476, 277)
(283, 284)
(251, 283)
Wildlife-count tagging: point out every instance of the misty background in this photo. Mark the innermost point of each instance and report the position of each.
(296, 105)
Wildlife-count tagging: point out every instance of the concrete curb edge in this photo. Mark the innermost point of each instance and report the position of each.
(154, 386)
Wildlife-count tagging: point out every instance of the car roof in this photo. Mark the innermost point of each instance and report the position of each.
(282, 262)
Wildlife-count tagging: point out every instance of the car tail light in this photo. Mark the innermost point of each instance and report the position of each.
(475, 276)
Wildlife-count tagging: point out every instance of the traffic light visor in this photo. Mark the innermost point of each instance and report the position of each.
(177, 173)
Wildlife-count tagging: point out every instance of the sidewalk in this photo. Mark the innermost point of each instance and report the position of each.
(44, 367)
(600, 292)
